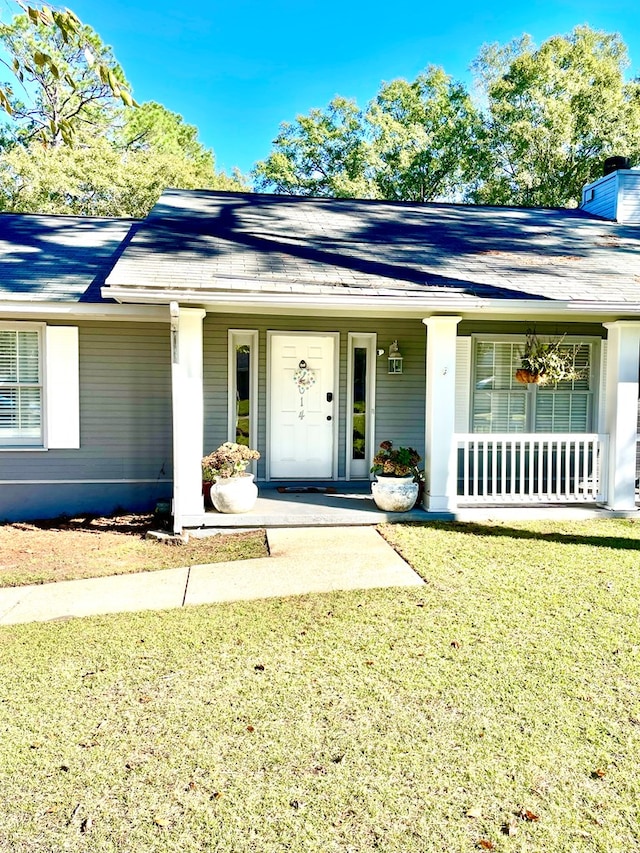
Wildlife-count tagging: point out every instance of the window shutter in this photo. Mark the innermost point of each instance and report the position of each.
(602, 389)
(463, 382)
(62, 387)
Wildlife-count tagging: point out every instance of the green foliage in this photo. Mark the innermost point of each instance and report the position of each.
(70, 79)
(548, 361)
(99, 178)
(152, 127)
(553, 115)
(352, 721)
(423, 137)
(414, 142)
(80, 145)
(549, 117)
(322, 154)
(395, 462)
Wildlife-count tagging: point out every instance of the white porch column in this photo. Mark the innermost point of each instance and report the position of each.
(188, 411)
(440, 457)
(621, 411)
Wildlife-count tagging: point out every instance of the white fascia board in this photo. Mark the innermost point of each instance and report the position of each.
(17, 309)
(378, 305)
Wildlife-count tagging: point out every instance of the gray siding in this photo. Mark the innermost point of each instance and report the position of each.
(125, 429)
(399, 399)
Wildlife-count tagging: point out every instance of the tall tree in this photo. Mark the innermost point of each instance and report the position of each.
(63, 94)
(414, 142)
(24, 39)
(76, 148)
(424, 137)
(323, 154)
(152, 127)
(553, 114)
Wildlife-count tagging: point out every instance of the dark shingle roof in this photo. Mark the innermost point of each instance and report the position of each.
(211, 242)
(57, 258)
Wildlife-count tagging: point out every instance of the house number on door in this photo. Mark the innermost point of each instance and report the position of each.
(304, 378)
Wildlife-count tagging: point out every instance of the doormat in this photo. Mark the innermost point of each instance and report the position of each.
(322, 490)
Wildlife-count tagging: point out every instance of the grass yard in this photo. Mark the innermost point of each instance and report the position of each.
(66, 549)
(495, 708)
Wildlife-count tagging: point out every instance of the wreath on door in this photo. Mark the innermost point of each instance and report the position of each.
(304, 378)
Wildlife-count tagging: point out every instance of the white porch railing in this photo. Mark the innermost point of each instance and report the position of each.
(495, 468)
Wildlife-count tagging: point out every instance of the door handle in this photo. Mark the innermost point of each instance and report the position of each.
(328, 417)
(329, 396)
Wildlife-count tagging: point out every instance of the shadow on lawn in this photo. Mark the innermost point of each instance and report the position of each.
(621, 543)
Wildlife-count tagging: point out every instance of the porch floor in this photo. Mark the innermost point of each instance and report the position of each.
(352, 504)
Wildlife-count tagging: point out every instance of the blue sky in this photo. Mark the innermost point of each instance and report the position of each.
(236, 70)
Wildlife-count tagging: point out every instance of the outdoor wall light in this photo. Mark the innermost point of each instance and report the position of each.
(395, 358)
(174, 314)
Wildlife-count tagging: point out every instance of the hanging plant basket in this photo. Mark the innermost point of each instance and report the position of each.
(546, 361)
(528, 378)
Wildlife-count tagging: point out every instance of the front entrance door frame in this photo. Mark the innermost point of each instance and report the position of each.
(335, 336)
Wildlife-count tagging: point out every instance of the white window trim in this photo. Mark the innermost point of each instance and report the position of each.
(594, 385)
(40, 328)
(236, 338)
(366, 340)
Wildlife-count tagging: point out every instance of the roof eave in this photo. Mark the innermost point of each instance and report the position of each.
(44, 310)
(396, 305)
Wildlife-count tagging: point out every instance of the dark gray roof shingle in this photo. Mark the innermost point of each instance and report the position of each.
(212, 242)
(57, 258)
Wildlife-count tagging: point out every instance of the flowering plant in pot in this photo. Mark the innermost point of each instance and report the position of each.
(229, 460)
(395, 462)
(232, 489)
(546, 361)
(397, 485)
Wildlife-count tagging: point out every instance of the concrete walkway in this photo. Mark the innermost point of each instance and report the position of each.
(303, 560)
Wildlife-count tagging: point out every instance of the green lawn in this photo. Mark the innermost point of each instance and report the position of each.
(502, 697)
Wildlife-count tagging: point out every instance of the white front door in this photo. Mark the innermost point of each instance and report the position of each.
(301, 407)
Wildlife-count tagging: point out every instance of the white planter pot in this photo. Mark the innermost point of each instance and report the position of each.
(395, 494)
(234, 494)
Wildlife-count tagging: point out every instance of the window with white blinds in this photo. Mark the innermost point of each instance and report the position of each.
(502, 404)
(499, 402)
(567, 406)
(20, 387)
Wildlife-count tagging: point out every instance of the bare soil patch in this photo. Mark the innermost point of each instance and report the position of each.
(70, 548)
